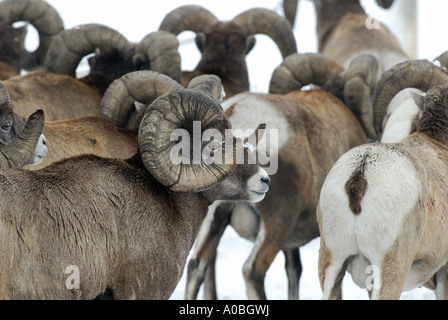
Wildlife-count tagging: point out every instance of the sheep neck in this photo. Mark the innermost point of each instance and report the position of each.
(329, 14)
(435, 124)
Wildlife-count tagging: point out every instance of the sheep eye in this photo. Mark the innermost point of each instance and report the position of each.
(6, 127)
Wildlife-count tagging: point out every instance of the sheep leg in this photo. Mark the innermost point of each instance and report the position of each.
(293, 268)
(267, 245)
(331, 273)
(201, 266)
(210, 277)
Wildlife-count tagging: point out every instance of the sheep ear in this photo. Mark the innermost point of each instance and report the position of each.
(139, 106)
(419, 99)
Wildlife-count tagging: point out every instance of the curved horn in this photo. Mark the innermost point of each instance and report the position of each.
(70, 46)
(419, 74)
(16, 154)
(43, 17)
(385, 4)
(360, 81)
(143, 86)
(265, 21)
(180, 109)
(189, 17)
(301, 69)
(160, 48)
(208, 83)
(290, 10)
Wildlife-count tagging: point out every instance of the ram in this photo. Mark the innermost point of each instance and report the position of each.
(343, 34)
(126, 225)
(224, 45)
(290, 8)
(13, 55)
(104, 135)
(56, 89)
(313, 128)
(12, 125)
(382, 207)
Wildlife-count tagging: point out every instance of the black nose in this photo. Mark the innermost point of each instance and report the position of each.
(266, 180)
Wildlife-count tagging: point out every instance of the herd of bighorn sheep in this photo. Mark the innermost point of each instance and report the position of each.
(132, 172)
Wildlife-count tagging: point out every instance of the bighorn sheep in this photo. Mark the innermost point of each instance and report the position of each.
(314, 129)
(104, 136)
(382, 207)
(11, 44)
(12, 125)
(224, 45)
(62, 95)
(290, 8)
(126, 225)
(343, 34)
(43, 17)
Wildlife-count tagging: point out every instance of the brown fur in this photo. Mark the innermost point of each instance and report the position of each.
(64, 97)
(87, 135)
(73, 222)
(223, 54)
(60, 96)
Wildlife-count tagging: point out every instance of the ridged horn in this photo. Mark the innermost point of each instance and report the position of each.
(43, 17)
(71, 45)
(143, 86)
(419, 74)
(290, 10)
(16, 154)
(179, 109)
(301, 69)
(360, 81)
(267, 22)
(190, 17)
(160, 48)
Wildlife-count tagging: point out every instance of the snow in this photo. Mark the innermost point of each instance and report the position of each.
(135, 18)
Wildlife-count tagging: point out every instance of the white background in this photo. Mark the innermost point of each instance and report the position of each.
(136, 18)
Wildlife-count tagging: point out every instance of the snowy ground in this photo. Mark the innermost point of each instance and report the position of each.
(233, 251)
